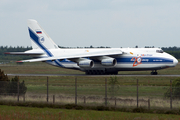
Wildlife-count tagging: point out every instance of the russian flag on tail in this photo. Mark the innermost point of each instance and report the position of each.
(39, 32)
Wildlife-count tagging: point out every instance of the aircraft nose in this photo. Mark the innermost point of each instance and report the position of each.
(175, 61)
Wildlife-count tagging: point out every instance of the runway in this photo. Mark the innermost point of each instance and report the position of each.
(125, 75)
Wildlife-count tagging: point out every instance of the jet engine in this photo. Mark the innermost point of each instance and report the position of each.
(109, 62)
(86, 64)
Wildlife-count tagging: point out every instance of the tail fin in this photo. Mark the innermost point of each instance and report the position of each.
(39, 38)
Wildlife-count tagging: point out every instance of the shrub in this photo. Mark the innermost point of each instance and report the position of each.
(138, 110)
(102, 108)
(11, 86)
(79, 107)
(175, 90)
(113, 86)
(70, 106)
(4, 81)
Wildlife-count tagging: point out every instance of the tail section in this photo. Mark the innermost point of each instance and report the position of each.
(39, 38)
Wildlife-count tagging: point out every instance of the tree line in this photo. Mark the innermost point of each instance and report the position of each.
(4, 49)
(175, 51)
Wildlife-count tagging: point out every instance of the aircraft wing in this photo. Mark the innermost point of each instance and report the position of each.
(75, 56)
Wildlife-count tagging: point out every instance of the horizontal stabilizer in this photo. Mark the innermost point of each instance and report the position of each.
(22, 53)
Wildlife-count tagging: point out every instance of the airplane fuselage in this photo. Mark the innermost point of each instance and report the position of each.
(132, 59)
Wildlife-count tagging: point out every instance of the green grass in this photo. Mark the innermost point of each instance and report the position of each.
(148, 86)
(43, 68)
(37, 68)
(144, 91)
(86, 80)
(152, 87)
(17, 113)
(96, 85)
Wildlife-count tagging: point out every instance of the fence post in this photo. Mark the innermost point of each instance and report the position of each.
(47, 89)
(24, 98)
(75, 91)
(149, 104)
(18, 89)
(105, 91)
(115, 101)
(170, 94)
(137, 93)
(53, 99)
(84, 100)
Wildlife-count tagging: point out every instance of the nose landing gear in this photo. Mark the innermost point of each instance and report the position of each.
(154, 73)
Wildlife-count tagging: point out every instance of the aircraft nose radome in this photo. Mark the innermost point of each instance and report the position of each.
(175, 62)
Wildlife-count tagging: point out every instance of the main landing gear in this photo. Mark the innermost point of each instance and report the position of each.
(100, 72)
(154, 73)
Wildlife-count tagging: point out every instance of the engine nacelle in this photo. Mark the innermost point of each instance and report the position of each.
(86, 64)
(109, 62)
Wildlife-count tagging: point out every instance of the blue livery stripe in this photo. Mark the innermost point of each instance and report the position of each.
(35, 38)
(145, 60)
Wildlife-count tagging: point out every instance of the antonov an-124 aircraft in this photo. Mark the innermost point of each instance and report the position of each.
(94, 61)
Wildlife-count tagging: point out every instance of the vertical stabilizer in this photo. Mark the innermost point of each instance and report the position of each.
(39, 38)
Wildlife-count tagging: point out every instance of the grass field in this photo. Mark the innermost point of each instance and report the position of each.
(63, 87)
(24, 113)
(43, 68)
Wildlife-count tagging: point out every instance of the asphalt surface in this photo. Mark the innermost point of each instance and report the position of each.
(92, 75)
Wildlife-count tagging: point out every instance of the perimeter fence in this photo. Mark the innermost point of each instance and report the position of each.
(106, 91)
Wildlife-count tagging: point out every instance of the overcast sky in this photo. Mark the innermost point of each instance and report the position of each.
(113, 23)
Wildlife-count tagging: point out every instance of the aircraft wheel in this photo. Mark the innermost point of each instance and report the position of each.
(102, 72)
(154, 73)
(96, 72)
(88, 72)
(92, 72)
(115, 73)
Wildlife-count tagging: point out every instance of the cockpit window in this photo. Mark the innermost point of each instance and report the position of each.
(159, 51)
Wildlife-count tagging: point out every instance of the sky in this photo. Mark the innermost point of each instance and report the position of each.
(82, 23)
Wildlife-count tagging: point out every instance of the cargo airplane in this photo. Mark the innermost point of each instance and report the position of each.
(94, 61)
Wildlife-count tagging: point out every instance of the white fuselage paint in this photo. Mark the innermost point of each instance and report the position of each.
(132, 59)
